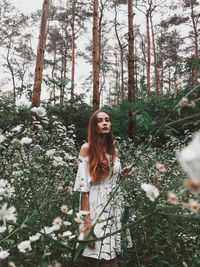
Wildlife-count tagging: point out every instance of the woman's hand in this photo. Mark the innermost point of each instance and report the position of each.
(127, 168)
(86, 232)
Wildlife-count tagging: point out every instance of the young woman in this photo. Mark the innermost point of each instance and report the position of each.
(98, 173)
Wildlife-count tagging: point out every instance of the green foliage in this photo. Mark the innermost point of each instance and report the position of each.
(42, 174)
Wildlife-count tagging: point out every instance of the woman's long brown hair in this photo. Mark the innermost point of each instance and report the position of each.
(98, 147)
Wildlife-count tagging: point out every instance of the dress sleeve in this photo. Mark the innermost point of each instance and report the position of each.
(82, 182)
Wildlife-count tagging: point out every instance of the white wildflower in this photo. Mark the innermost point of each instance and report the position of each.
(47, 230)
(2, 229)
(172, 198)
(8, 214)
(192, 185)
(78, 220)
(57, 221)
(24, 245)
(2, 138)
(69, 157)
(189, 158)
(3, 183)
(192, 104)
(151, 191)
(183, 101)
(55, 227)
(82, 213)
(64, 208)
(17, 173)
(67, 234)
(5, 189)
(60, 187)
(50, 152)
(17, 128)
(26, 141)
(4, 254)
(193, 205)
(40, 111)
(15, 141)
(160, 167)
(66, 223)
(10, 228)
(23, 102)
(35, 237)
(70, 212)
(58, 161)
(11, 264)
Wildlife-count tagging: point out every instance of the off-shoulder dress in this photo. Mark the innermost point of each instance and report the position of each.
(110, 220)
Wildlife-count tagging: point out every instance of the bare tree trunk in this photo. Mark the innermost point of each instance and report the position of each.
(194, 24)
(52, 76)
(169, 86)
(155, 59)
(162, 77)
(121, 57)
(12, 74)
(135, 68)
(131, 91)
(40, 55)
(148, 51)
(95, 57)
(73, 49)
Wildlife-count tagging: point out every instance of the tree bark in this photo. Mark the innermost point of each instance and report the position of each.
(95, 57)
(194, 24)
(73, 49)
(131, 91)
(148, 50)
(40, 55)
(53, 92)
(155, 57)
(12, 74)
(121, 57)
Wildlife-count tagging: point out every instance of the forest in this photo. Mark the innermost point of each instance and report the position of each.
(138, 61)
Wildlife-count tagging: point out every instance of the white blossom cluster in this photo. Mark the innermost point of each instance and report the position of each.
(6, 190)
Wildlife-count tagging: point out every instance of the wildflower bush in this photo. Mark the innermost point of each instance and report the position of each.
(39, 215)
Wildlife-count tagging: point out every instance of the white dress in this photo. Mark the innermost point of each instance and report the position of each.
(110, 220)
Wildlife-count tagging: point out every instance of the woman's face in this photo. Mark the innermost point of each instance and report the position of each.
(103, 123)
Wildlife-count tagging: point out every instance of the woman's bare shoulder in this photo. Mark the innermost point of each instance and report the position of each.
(84, 150)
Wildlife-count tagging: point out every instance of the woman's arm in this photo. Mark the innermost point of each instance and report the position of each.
(87, 221)
(85, 201)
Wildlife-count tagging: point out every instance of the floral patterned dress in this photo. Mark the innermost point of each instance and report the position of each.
(110, 220)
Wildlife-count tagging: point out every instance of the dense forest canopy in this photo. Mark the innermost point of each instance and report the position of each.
(166, 37)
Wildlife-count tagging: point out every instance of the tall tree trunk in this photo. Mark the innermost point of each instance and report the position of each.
(52, 77)
(131, 92)
(154, 55)
(95, 57)
(73, 49)
(169, 86)
(40, 55)
(12, 73)
(121, 57)
(162, 77)
(135, 67)
(148, 50)
(194, 24)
